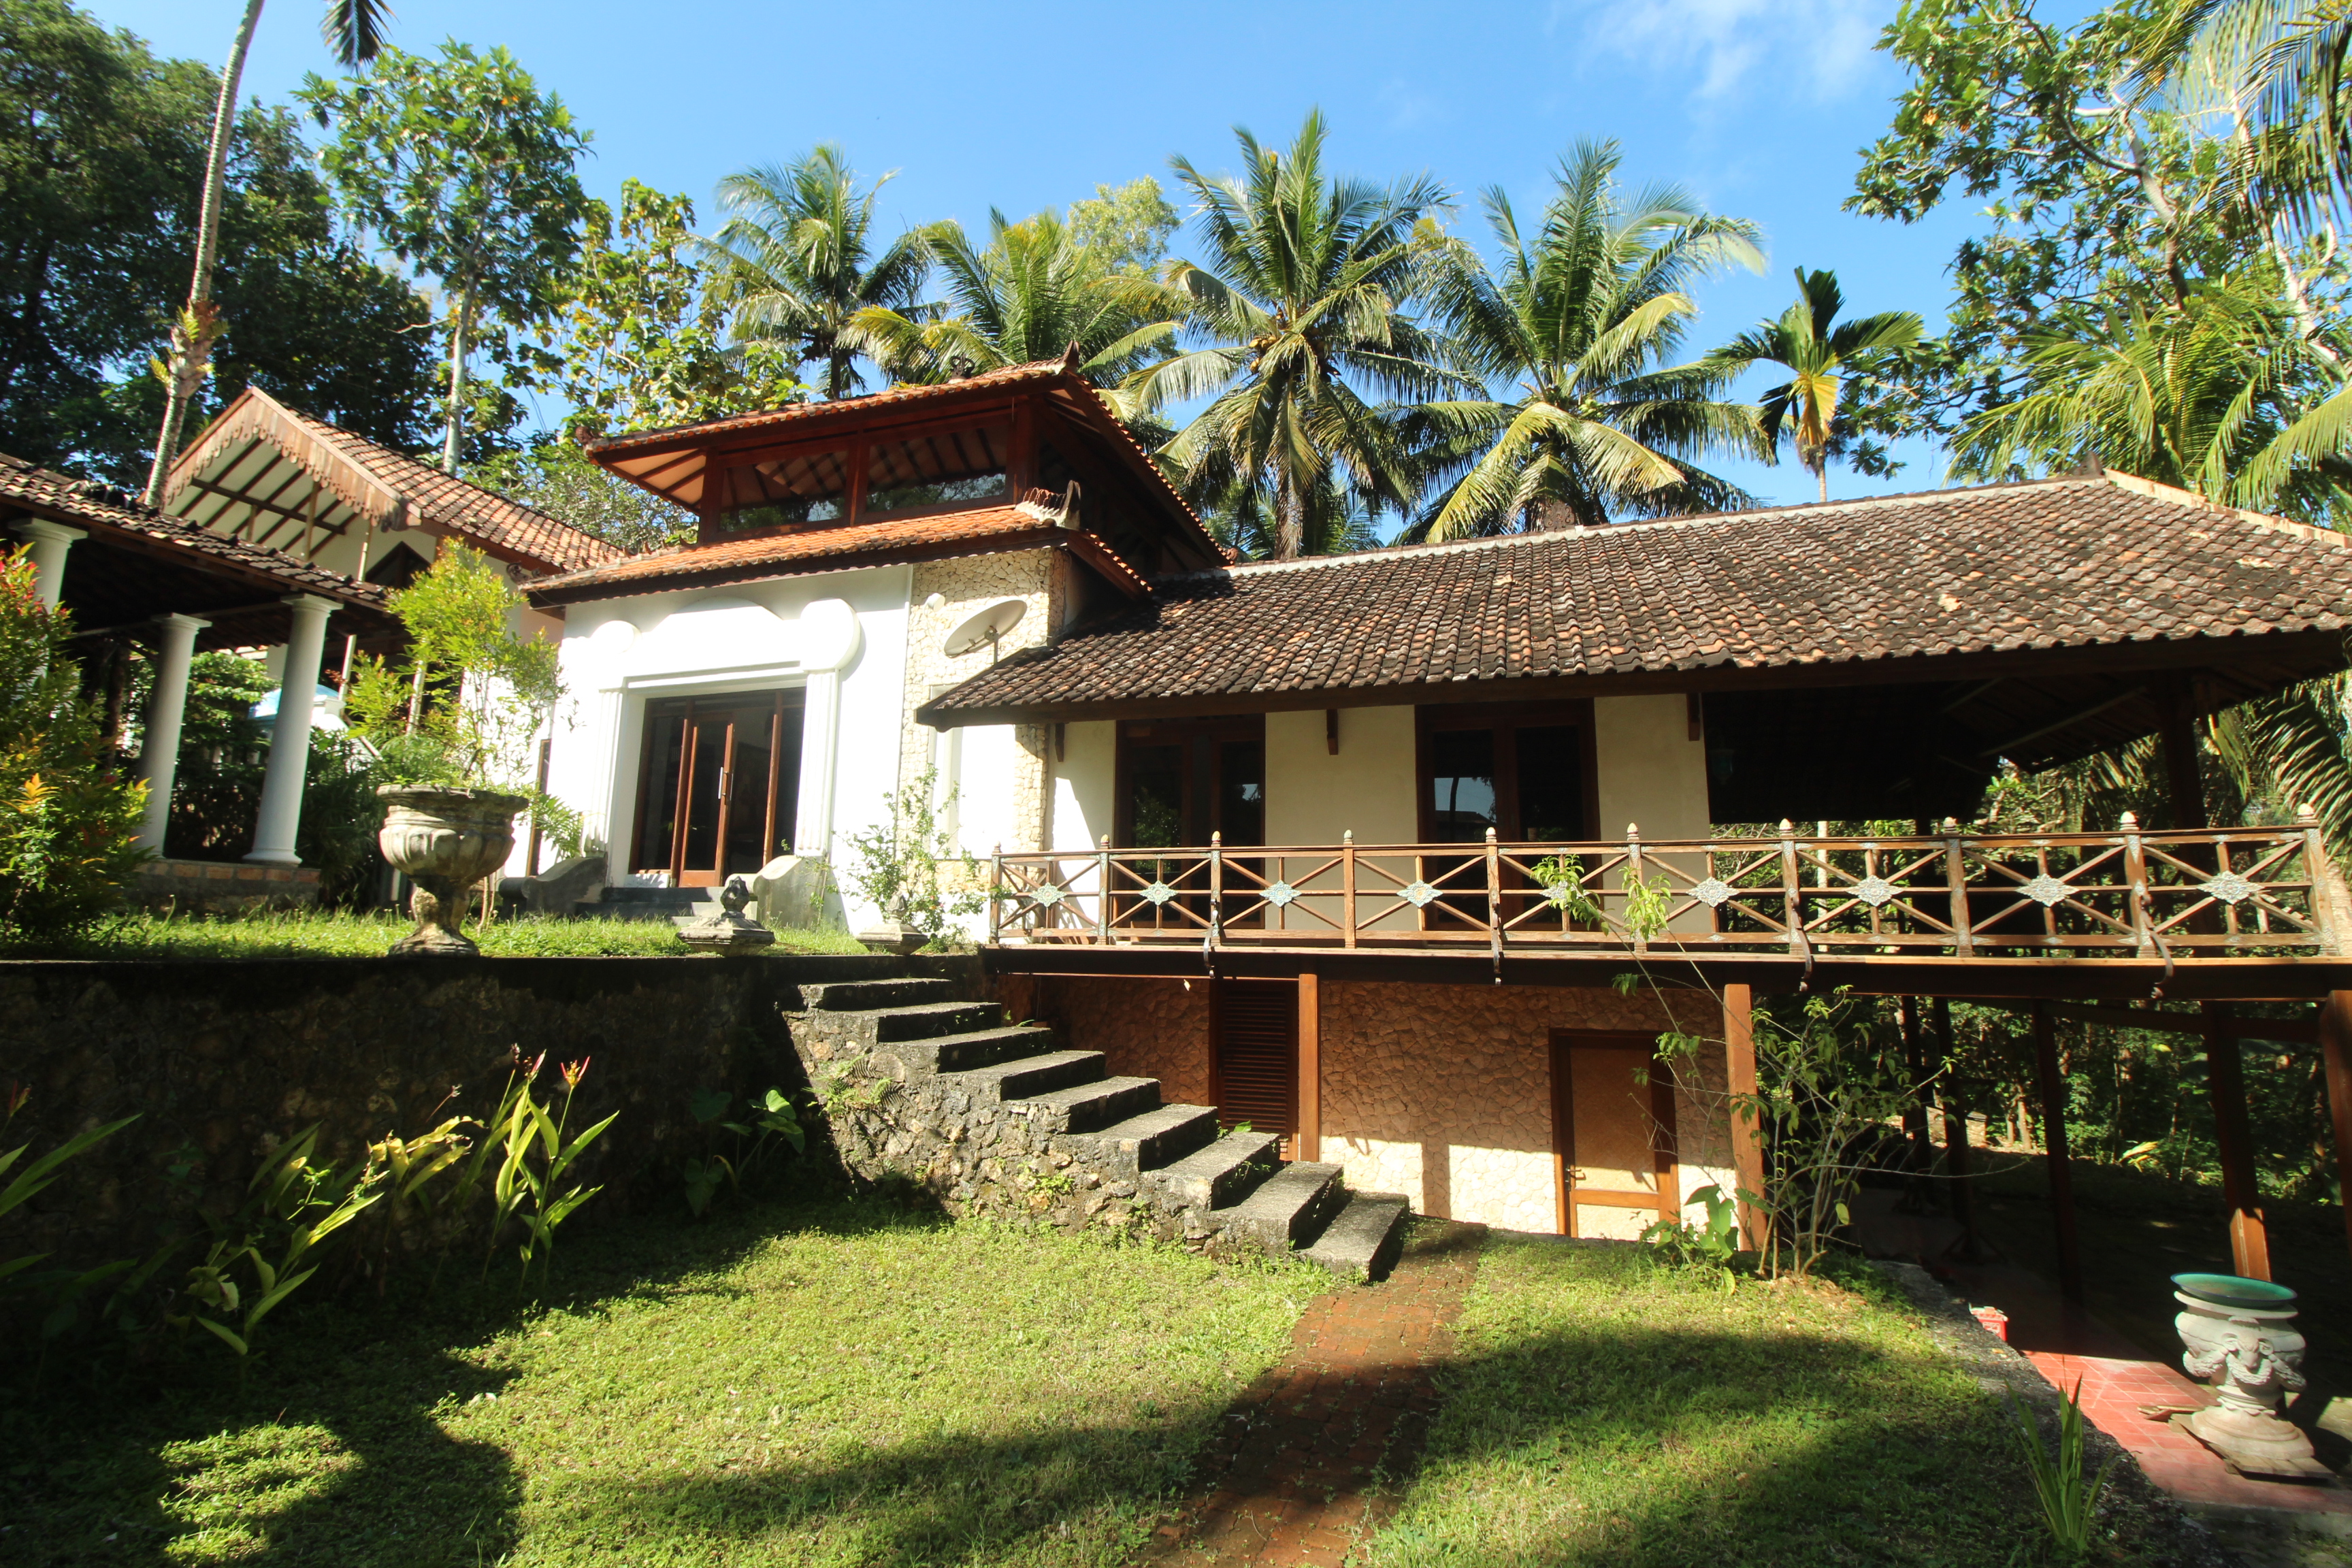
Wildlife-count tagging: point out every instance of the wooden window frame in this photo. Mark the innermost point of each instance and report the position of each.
(1021, 442)
(1666, 1163)
(1246, 727)
(1502, 719)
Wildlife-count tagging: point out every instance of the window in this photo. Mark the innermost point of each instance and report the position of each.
(949, 468)
(1521, 771)
(786, 493)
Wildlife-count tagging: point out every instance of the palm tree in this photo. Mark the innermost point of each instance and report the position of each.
(796, 260)
(1818, 358)
(1303, 293)
(354, 30)
(1584, 324)
(1030, 293)
(2225, 397)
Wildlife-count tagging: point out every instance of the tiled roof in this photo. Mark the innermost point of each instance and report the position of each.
(830, 549)
(87, 503)
(467, 507)
(2054, 563)
(912, 392)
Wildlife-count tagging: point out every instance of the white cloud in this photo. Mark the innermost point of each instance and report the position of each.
(1717, 47)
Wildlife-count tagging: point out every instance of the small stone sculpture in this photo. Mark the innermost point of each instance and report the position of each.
(727, 928)
(2239, 1339)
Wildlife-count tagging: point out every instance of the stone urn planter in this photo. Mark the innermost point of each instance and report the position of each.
(444, 841)
(2239, 1337)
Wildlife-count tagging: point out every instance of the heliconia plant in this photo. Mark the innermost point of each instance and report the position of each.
(307, 1201)
(538, 1153)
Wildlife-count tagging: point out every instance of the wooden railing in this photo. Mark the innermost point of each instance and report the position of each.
(2209, 893)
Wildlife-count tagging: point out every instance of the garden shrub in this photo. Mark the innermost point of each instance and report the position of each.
(67, 818)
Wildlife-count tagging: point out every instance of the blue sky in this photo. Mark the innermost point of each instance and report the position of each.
(1758, 106)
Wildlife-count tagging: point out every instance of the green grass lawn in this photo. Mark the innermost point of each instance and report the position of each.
(344, 935)
(1606, 1410)
(830, 1384)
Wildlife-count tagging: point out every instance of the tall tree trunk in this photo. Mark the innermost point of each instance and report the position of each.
(192, 341)
(461, 319)
(1290, 519)
(1822, 472)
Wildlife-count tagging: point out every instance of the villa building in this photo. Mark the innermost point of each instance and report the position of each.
(1357, 849)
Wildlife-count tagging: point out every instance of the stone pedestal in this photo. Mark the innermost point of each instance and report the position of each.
(727, 928)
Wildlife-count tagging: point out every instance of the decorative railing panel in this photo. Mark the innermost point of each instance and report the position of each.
(2205, 893)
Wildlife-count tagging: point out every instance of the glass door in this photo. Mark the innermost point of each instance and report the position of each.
(1179, 782)
(719, 786)
(1522, 771)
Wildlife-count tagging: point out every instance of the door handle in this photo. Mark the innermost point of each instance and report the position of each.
(726, 782)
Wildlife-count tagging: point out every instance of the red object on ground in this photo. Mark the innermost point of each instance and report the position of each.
(1992, 1320)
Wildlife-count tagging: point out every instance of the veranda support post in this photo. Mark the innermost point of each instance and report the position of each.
(1747, 1136)
(2053, 1153)
(2225, 1080)
(2335, 1044)
(1310, 1069)
(1959, 1197)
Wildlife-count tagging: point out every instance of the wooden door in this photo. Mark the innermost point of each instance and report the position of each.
(1613, 1135)
(1255, 1060)
(719, 785)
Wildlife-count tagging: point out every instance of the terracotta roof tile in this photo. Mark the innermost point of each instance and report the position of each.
(467, 508)
(827, 548)
(65, 499)
(2073, 563)
(913, 392)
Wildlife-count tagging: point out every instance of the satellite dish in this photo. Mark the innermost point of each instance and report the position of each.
(984, 630)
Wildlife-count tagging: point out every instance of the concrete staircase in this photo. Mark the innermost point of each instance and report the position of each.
(997, 1118)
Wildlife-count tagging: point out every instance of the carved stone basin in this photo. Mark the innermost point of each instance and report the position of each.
(444, 841)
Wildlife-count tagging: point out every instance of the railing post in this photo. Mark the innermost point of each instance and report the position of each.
(2315, 867)
(1494, 903)
(996, 896)
(2136, 877)
(1956, 883)
(1216, 888)
(1102, 892)
(1347, 885)
(1792, 895)
(1633, 879)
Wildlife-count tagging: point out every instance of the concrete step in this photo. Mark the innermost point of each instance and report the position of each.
(870, 995)
(1156, 1138)
(962, 1053)
(1363, 1238)
(649, 903)
(1219, 1174)
(866, 1030)
(1027, 1076)
(1289, 1207)
(1085, 1107)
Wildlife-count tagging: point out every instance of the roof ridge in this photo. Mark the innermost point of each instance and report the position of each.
(2111, 479)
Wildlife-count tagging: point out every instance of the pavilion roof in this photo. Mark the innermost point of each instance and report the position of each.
(275, 474)
(137, 563)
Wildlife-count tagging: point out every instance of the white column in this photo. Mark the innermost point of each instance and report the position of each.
(51, 540)
(290, 742)
(159, 752)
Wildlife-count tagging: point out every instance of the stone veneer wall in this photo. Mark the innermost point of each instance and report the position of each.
(1440, 1092)
(222, 1061)
(1040, 579)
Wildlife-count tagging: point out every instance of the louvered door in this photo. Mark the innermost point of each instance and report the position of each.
(1257, 1056)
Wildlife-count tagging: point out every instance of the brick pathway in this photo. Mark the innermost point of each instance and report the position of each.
(1287, 1479)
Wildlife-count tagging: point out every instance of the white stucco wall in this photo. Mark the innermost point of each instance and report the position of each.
(619, 654)
(1652, 772)
(1084, 778)
(1313, 797)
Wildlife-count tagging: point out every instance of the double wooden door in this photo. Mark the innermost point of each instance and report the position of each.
(720, 782)
(1613, 1135)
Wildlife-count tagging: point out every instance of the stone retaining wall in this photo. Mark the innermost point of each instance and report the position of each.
(223, 1060)
(221, 887)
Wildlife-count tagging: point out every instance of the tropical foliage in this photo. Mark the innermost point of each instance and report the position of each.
(1819, 358)
(1583, 320)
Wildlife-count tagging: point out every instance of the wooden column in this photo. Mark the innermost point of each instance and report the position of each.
(1310, 1069)
(2183, 776)
(2054, 1148)
(1957, 1194)
(2225, 1080)
(2336, 1042)
(1747, 1137)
